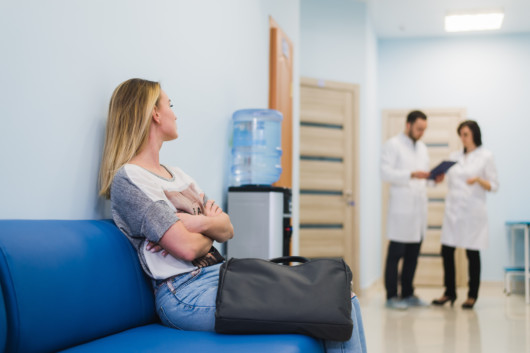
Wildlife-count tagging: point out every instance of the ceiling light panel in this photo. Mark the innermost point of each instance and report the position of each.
(483, 21)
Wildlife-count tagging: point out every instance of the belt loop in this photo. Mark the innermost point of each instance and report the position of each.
(170, 285)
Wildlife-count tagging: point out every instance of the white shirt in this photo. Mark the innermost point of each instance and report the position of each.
(407, 208)
(143, 207)
(465, 222)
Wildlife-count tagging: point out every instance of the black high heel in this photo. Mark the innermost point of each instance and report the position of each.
(444, 300)
(469, 303)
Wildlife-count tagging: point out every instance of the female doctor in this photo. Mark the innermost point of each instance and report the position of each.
(465, 223)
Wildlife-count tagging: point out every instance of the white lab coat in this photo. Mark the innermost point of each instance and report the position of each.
(407, 208)
(465, 222)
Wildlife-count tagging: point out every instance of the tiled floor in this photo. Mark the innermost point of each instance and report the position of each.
(498, 323)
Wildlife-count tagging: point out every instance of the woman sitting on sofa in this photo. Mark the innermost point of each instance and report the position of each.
(165, 214)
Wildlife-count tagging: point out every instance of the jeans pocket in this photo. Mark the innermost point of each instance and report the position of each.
(188, 303)
(185, 291)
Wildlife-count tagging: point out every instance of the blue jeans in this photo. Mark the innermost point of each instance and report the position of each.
(187, 302)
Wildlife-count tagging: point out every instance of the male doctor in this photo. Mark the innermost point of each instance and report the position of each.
(405, 165)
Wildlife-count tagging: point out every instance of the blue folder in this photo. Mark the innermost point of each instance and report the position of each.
(441, 168)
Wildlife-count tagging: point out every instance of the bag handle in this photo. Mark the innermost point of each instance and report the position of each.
(287, 259)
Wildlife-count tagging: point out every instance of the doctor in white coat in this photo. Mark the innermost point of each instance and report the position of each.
(405, 165)
(465, 222)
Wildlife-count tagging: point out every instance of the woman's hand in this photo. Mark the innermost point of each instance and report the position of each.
(211, 209)
(214, 223)
(483, 183)
(154, 248)
(199, 223)
(472, 181)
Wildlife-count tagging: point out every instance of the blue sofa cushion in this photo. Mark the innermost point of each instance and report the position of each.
(156, 338)
(69, 282)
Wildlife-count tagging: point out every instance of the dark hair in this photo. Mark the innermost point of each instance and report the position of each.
(415, 115)
(475, 131)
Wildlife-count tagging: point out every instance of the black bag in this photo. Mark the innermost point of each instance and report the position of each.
(260, 296)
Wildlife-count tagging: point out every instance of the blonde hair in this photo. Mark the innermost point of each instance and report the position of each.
(128, 126)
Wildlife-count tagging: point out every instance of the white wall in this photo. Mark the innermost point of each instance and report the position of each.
(62, 59)
(490, 76)
(338, 43)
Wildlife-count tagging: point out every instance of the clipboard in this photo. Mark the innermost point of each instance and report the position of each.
(441, 168)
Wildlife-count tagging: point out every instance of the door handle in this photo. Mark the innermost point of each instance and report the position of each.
(347, 196)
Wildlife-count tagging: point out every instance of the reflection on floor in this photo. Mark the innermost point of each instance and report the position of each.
(498, 323)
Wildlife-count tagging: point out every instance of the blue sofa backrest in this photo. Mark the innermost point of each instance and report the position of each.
(69, 282)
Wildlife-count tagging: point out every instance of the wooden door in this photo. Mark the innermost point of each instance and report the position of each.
(281, 95)
(329, 173)
(441, 139)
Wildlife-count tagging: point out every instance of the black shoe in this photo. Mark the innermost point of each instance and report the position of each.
(469, 303)
(443, 300)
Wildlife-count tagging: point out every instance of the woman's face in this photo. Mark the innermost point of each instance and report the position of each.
(467, 138)
(168, 118)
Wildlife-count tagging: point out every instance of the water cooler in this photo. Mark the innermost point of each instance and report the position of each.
(261, 216)
(260, 213)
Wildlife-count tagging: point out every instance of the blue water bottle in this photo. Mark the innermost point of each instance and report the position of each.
(256, 149)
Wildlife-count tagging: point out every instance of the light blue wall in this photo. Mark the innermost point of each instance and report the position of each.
(332, 40)
(58, 70)
(338, 43)
(62, 59)
(490, 76)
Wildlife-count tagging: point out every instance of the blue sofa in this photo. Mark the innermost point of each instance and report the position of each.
(77, 286)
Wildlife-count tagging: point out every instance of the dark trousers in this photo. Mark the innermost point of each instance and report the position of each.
(473, 257)
(409, 252)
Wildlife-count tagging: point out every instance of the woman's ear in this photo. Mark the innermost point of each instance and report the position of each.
(156, 115)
